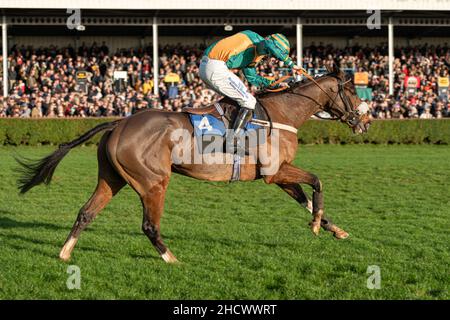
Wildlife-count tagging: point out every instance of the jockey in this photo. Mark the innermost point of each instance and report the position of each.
(242, 51)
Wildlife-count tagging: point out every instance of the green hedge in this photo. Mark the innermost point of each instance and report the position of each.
(45, 131)
(55, 131)
(380, 132)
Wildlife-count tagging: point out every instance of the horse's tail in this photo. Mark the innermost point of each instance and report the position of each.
(35, 172)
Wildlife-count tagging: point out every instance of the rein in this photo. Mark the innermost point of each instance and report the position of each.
(282, 79)
(341, 92)
(307, 75)
(348, 116)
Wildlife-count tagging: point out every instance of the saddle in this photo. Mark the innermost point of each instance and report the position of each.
(211, 109)
(211, 123)
(226, 110)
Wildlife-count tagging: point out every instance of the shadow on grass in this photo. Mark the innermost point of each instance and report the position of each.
(35, 251)
(8, 223)
(40, 246)
(229, 242)
(148, 255)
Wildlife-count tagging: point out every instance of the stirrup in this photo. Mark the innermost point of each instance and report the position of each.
(242, 118)
(231, 143)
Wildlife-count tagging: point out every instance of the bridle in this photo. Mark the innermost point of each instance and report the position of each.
(349, 115)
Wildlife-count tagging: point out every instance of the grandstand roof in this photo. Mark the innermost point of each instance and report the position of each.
(435, 5)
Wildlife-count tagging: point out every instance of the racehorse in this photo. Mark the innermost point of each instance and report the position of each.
(137, 150)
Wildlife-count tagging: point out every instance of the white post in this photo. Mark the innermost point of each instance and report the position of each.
(391, 55)
(299, 42)
(155, 58)
(5, 56)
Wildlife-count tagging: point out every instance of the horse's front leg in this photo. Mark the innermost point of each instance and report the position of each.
(290, 175)
(296, 192)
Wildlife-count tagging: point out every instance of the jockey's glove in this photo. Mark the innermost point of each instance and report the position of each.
(298, 69)
(279, 85)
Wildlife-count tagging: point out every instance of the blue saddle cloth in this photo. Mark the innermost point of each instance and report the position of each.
(208, 128)
(207, 125)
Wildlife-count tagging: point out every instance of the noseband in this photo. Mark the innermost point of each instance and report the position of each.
(350, 115)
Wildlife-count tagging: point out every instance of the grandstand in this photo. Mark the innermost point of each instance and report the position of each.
(400, 56)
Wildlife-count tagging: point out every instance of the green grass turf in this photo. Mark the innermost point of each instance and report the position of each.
(238, 241)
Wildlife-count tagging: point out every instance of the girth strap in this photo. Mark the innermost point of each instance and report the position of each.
(219, 109)
(275, 125)
(236, 174)
(222, 114)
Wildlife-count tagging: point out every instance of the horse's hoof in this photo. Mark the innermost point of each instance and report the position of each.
(338, 233)
(315, 228)
(66, 251)
(341, 234)
(169, 257)
(64, 257)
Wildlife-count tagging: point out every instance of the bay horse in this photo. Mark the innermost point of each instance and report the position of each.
(137, 151)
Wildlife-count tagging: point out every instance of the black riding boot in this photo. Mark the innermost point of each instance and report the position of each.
(241, 120)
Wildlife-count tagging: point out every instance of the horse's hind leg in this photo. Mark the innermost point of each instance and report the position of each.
(150, 180)
(288, 174)
(296, 192)
(153, 204)
(109, 183)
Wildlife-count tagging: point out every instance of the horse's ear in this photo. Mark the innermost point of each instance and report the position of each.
(329, 68)
(337, 71)
(336, 68)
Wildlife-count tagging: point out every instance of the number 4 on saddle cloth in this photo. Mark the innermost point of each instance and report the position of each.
(211, 124)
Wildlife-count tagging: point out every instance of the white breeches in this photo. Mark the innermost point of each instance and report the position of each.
(216, 75)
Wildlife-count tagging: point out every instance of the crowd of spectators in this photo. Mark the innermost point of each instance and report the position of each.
(426, 62)
(43, 83)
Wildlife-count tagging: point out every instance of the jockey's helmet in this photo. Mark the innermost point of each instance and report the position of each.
(280, 41)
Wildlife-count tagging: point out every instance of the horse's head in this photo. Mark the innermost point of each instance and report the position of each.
(346, 105)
